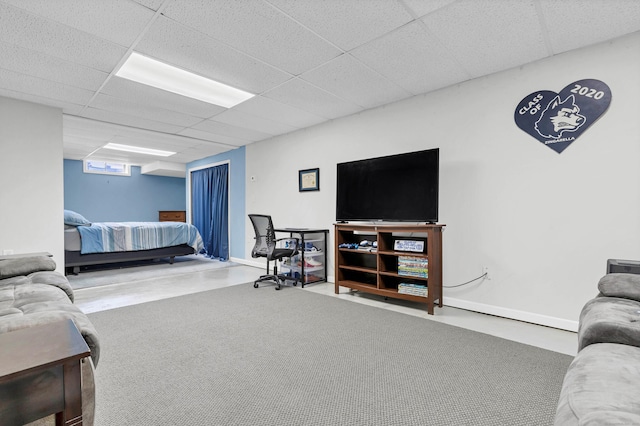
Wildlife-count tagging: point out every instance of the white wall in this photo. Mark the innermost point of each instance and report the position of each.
(31, 179)
(544, 223)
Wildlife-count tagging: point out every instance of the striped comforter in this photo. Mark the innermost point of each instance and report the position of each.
(106, 237)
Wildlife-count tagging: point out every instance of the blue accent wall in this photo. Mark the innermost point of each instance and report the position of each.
(237, 216)
(108, 198)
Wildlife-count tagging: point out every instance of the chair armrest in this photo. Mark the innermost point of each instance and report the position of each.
(626, 286)
(25, 266)
(290, 238)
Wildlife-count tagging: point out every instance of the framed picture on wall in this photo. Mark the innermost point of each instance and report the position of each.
(309, 180)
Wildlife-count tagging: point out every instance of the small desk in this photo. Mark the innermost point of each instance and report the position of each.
(317, 271)
(40, 374)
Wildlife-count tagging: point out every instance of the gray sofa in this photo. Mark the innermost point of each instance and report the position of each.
(31, 294)
(602, 384)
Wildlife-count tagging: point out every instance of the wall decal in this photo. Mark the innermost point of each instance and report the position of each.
(558, 119)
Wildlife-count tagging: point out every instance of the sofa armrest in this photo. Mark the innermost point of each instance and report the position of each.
(25, 266)
(625, 286)
(55, 279)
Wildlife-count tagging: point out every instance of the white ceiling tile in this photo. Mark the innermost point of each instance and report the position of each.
(127, 120)
(576, 23)
(422, 7)
(67, 108)
(307, 97)
(485, 37)
(96, 134)
(277, 111)
(119, 21)
(199, 152)
(350, 79)
(44, 88)
(70, 154)
(412, 59)
(214, 137)
(59, 53)
(81, 145)
(90, 129)
(170, 142)
(82, 140)
(143, 110)
(225, 129)
(42, 35)
(243, 119)
(29, 62)
(151, 4)
(189, 49)
(255, 28)
(150, 96)
(347, 24)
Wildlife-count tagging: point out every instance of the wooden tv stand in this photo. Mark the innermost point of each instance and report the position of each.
(376, 271)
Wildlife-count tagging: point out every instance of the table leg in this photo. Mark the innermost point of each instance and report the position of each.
(72, 414)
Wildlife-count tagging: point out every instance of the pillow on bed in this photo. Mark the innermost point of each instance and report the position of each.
(74, 219)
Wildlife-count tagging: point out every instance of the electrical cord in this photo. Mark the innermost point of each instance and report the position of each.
(468, 282)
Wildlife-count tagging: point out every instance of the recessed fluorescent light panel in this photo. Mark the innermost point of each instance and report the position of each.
(154, 73)
(138, 149)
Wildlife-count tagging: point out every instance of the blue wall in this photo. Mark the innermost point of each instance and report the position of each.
(107, 198)
(237, 216)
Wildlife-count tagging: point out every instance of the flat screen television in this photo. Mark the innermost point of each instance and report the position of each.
(395, 188)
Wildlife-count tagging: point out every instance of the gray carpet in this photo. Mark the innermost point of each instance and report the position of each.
(245, 356)
(99, 275)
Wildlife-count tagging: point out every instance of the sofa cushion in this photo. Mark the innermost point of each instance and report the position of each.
(601, 387)
(25, 265)
(626, 286)
(31, 300)
(609, 320)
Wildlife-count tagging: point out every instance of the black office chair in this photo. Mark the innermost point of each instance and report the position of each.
(266, 247)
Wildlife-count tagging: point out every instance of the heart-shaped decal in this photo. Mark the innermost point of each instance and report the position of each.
(558, 119)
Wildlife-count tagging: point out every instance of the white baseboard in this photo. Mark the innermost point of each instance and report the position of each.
(530, 317)
(498, 311)
(253, 263)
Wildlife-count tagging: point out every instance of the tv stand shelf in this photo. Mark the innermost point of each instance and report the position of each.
(377, 271)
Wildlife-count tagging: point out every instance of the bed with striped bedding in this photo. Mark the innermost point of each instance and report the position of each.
(109, 237)
(116, 242)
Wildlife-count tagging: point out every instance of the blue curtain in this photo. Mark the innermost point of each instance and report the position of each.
(209, 207)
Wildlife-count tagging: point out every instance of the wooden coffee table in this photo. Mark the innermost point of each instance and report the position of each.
(40, 374)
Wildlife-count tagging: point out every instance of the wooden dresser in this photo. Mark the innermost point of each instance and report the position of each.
(172, 216)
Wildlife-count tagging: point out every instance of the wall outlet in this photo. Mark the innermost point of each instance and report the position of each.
(485, 273)
(7, 252)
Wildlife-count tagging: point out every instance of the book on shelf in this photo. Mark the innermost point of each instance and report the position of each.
(413, 289)
(413, 266)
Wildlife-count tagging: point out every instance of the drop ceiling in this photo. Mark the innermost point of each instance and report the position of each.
(307, 61)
